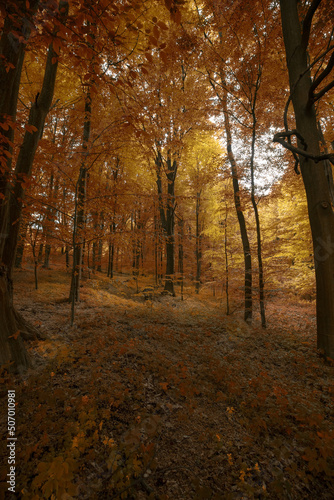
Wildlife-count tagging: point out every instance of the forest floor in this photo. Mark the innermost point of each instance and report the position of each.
(169, 399)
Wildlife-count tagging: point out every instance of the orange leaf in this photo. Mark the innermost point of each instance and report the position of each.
(162, 25)
(149, 57)
(30, 128)
(15, 335)
(164, 386)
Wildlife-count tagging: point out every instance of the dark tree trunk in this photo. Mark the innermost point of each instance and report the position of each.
(320, 211)
(12, 50)
(181, 255)
(79, 216)
(240, 214)
(20, 246)
(167, 217)
(12, 347)
(198, 244)
(256, 211)
(99, 263)
(40, 252)
(226, 267)
(111, 253)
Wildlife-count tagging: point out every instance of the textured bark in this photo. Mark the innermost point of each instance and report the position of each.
(37, 115)
(320, 211)
(20, 246)
(13, 354)
(12, 326)
(18, 20)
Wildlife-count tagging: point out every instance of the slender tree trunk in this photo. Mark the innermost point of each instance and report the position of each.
(198, 244)
(320, 211)
(226, 267)
(156, 249)
(257, 219)
(79, 217)
(40, 252)
(20, 245)
(181, 255)
(78, 237)
(111, 255)
(99, 263)
(240, 215)
(50, 213)
(328, 166)
(167, 216)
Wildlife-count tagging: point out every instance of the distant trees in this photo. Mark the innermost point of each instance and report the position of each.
(149, 145)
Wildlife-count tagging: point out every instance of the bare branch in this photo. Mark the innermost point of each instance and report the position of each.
(280, 137)
(308, 22)
(321, 77)
(324, 91)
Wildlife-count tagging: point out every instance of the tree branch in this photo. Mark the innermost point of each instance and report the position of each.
(280, 136)
(308, 22)
(320, 78)
(322, 92)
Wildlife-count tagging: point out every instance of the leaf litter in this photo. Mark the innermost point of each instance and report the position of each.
(170, 399)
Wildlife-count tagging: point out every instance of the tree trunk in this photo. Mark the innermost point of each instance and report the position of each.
(12, 347)
(12, 49)
(226, 267)
(320, 211)
(256, 213)
(181, 255)
(99, 262)
(79, 216)
(167, 216)
(198, 245)
(20, 246)
(240, 215)
(111, 253)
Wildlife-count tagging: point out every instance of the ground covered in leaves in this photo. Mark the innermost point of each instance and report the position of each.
(158, 398)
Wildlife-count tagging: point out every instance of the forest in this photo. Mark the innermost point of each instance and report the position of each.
(166, 249)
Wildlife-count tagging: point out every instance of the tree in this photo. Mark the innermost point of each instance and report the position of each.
(163, 109)
(304, 94)
(12, 326)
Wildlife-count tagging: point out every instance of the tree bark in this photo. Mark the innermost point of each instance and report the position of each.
(226, 266)
(79, 216)
(20, 246)
(13, 351)
(167, 217)
(18, 19)
(256, 212)
(240, 215)
(198, 244)
(320, 211)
